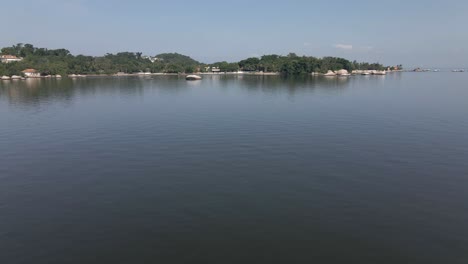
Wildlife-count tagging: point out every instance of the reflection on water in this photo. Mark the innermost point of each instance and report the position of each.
(33, 91)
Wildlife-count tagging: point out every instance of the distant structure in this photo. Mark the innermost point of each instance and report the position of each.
(212, 69)
(9, 58)
(152, 59)
(31, 73)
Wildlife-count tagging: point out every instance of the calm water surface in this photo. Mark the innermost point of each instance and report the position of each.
(370, 169)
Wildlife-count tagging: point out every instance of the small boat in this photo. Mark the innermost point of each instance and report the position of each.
(193, 78)
(5, 77)
(366, 73)
(380, 73)
(16, 77)
(459, 70)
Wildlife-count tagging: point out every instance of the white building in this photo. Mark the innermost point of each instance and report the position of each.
(152, 59)
(9, 58)
(31, 73)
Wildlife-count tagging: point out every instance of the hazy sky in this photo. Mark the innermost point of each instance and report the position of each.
(414, 33)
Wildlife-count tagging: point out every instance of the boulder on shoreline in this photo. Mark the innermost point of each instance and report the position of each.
(330, 73)
(342, 72)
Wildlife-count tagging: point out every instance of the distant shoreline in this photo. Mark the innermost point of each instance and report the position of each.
(29, 61)
(79, 76)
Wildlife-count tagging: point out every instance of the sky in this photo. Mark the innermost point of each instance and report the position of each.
(413, 33)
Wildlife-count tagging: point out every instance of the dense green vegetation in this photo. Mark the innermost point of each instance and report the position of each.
(293, 64)
(61, 61)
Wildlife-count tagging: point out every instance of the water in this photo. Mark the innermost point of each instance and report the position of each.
(370, 169)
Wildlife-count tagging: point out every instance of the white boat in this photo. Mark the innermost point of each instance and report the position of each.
(16, 77)
(6, 77)
(76, 75)
(380, 73)
(193, 78)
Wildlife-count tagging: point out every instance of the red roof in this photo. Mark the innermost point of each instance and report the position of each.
(29, 71)
(8, 57)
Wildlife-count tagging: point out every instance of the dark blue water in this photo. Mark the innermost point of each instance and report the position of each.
(370, 169)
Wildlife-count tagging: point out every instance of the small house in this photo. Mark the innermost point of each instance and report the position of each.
(31, 73)
(9, 58)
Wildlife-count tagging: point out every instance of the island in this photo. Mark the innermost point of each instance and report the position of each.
(28, 61)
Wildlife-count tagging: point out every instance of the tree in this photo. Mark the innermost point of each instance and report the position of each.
(250, 64)
(190, 69)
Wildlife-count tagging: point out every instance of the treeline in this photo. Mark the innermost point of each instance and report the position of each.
(61, 61)
(294, 64)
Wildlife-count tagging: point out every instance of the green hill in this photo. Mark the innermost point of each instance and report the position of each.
(176, 58)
